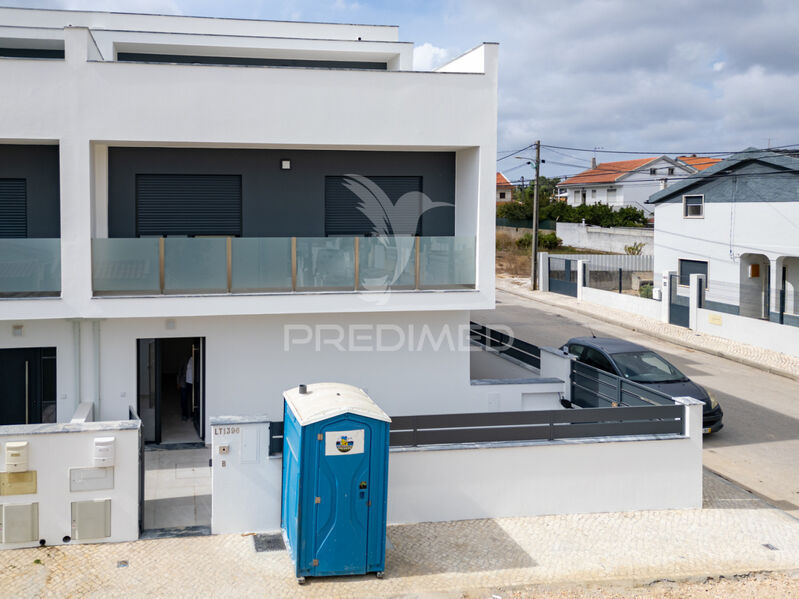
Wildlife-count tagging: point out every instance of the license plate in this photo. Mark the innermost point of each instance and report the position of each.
(705, 430)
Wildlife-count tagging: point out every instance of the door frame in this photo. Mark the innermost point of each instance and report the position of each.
(199, 416)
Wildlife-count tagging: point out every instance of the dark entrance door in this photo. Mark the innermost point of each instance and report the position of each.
(679, 313)
(172, 371)
(27, 385)
(563, 276)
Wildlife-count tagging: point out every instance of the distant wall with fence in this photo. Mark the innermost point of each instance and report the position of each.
(605, 239)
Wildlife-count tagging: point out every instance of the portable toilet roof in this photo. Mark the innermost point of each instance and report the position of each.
(326, 400)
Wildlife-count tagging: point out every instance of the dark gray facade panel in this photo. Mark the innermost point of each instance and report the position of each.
(13, 208)
(275, 202)
(38, 167)
(353, 208)
(249, 61)
(188, 204)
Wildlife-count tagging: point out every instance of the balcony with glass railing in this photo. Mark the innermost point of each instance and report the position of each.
(241, 265)
(30, 267)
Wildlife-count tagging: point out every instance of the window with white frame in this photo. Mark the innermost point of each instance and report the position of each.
(653, 171)
(593, 194)
(671, 170)
(611, 195)
(693, 206)
(501, 195)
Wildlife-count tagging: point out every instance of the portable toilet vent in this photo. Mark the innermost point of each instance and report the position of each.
(335, 480)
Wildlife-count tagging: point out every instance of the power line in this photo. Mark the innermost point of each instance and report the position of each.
(516, 152)
(724, 152)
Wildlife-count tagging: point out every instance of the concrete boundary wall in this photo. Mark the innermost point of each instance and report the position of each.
(54, 450)
(762, 333)
(548, 478)
(605, 239)
(490, 480)
(620, 301)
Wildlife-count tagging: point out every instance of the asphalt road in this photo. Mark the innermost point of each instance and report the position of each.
(758, 447)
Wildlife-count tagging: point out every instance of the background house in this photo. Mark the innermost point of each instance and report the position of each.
(737, 223)
(504, 189)
(626, 182)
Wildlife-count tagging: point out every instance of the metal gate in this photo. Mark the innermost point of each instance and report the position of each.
(563, 276)
(678, 304)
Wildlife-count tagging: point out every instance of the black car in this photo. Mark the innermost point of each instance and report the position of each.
(641, 365)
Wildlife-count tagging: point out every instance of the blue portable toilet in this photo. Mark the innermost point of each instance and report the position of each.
(335, 480)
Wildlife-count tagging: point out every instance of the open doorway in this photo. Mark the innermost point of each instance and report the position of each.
(171, 390)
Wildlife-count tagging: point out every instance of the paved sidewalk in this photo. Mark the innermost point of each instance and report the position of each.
(757, 357)
(735, 533)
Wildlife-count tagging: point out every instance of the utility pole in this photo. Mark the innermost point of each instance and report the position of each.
(535, 215)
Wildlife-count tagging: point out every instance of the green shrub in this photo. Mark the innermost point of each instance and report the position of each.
(525, 242)
(645, 290)
(549, 241)
(634, 249)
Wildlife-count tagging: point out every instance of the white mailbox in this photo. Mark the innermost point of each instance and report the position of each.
(17, 456)
(103, 452)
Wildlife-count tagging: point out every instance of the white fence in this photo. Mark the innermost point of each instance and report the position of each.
(605, 239)
(477, 480)
(621, 301)
(63, 495)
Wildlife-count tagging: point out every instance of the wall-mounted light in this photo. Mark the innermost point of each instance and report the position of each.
(17, 330)
(285, 165)
(170, 324)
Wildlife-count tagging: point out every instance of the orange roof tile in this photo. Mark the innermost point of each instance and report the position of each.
(607, 172)
(700, 163)
(502, 181)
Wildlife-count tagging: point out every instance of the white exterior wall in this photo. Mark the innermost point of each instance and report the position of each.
(752, 331)
(606, 239)
(247, 368)
(85, 106)
(87, 103)
(443, 484)
(53, 454)
(620, 301)
(550, 478)
(726, 233)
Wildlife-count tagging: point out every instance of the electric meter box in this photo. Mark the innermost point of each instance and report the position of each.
(335, 480)
(103, 452)
(17, 453)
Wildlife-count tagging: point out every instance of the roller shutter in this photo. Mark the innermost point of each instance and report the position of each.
(343, 217)
(188, 205)
(13, 208)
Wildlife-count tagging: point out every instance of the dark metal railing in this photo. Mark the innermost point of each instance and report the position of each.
(594, 388)
(532, 425)
(502, 342)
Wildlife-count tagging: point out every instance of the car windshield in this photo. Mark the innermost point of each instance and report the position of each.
(647, 367)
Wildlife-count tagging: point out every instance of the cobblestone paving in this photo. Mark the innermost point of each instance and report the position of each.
(748, 354)
(727, 537)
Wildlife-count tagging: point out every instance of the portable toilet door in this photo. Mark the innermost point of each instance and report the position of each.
(335, 480)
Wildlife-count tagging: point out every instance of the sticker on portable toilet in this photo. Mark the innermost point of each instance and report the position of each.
(344, 442)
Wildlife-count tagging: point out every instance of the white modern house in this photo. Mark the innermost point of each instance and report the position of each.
(174, 187)
(197, 214)
(736, 223)
(628, 182)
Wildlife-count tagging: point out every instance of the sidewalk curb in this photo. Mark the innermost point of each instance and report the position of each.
(619, 322)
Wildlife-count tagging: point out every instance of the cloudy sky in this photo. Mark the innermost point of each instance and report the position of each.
(633, 75)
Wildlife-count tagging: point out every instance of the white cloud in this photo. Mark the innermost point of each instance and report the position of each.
(427, 57)
(718, 66)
